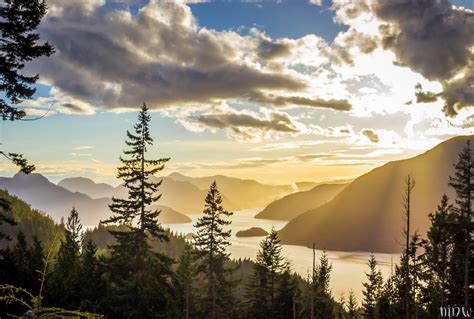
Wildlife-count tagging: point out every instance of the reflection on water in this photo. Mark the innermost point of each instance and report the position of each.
(348, 268)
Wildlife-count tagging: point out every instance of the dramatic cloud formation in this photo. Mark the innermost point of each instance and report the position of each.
(435, 39)
(114, 59)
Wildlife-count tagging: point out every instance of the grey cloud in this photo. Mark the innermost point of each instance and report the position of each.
(73, 107)
(459, 93)
(282, 101)
(277, 122)
(435, 39)
(424, 96)
(160, 56)
(365, 43)
(371, 135)
(431, 37)
(269, 50)
(350, 9)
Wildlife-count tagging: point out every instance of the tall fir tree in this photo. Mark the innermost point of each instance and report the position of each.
(261, 291)
(139, 276)
(211, 242)
(372, 289)
(136, 173)
(463, 184)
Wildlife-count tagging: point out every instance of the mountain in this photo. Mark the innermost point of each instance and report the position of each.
(290, 206)
(241, 193)
(368, 215)
(29, 221)
(186, 194)
(170, 216)
(305, 186)
(57, 201)
(89, 187)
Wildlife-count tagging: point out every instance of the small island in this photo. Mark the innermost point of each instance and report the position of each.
(252, 232)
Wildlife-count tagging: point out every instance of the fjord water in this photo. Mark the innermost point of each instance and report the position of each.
(348, 268)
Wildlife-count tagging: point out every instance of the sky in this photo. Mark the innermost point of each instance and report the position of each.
(277, 91)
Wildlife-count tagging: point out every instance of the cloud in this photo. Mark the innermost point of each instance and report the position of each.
(431, 37)
(244, 124)
(80, 154)
(424, 97)
(83, 147)
(435, 39)
(371, 135)
(459, 93)
(113, 59)
(281, 101)
(270, 50)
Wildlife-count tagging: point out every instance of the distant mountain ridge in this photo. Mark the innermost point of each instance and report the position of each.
(367, 215)
(243, 193)
(89, 187)
(186, 194)
(293, 205)
(57, 201)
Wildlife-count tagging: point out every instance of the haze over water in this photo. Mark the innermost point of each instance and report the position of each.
(348, 268)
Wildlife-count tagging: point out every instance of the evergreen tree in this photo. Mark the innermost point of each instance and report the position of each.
(352, 306)
(341, 306)
(139, 277)
(186, 295)
(261, 290)
(439, 246)
(136, 173)
(323, 303)
(19, 44)
(211, 241)
(414, 273)
(463, 184)
(91, 282)
(64, 286)
(386, 301)
(5, 217)
(372, 289)
(287, 296)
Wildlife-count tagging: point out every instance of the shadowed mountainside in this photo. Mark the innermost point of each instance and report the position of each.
(290, 206)
(368, 215)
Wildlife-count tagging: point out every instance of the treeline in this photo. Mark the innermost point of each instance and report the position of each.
(126, 268)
